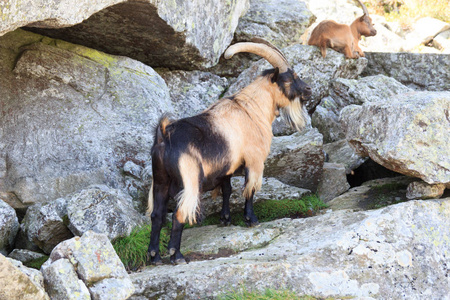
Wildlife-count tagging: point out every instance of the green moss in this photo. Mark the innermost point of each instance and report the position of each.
(36, 263)
(270, 210)
(268, 294)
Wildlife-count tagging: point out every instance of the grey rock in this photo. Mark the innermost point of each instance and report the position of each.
(63, 283)
(407, 134)
(24, 255)
(45, 224)
(340, 152)
(214, 239)
(384, 253)
(176, 34)
(96, 264)
(9, 226)
(344, 92)
(297, 159)
(423, 190)
(419, 71)
(19, 282)
(102, 210)
(280, 22)
(192, 92)
(373, 194)
(112, 289)
(83, 114)
(333, 182)
(133, 169)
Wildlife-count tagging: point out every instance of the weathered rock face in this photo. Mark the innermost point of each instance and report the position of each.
(174, 34)
(333, 182)
(395, 252)
(45, 224)
(19, 282)
(340, 152)
(193, 92)
(9, 226)
(408, 134)
(344, 92)
(280, 22)
(297, 159)
(102, 210)
(72, 116)
(84, 265)
(420, 71)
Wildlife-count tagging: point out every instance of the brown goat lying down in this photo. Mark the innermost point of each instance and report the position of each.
(341, 37)
(201, 153)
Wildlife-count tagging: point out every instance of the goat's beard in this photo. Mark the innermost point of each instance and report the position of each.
(296, 115)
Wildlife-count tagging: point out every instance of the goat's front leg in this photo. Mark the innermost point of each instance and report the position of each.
(175, 241)
(253, 180)
(225, 215)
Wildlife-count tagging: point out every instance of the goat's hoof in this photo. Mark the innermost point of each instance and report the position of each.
(225, 223)
(252, 224)
(179, 261)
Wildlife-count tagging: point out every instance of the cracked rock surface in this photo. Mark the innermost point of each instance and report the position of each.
(394, 252)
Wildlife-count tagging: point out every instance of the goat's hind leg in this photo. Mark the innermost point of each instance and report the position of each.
(175, 241)
(160, 198)
(225, 214)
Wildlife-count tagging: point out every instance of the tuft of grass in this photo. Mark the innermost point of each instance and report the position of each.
(268, 294)
(36, 263)
(132, 249)
(270, 210)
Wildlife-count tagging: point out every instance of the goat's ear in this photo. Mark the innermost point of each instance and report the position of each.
(362, 18)
(275, 75)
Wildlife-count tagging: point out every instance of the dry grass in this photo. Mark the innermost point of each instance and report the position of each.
(406, 12)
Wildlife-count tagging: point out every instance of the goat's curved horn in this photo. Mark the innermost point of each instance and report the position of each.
(364, 8)
(265, 50)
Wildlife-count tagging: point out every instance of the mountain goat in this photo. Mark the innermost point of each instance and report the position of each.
(201, 153)
(341, 37)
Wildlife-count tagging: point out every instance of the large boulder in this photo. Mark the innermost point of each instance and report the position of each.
(297, 159)
(103, 210)
(420, 71)
(86, 265)
(72, 116)
(280, 22)
(183, 34)
(390, 253)
(9, 226)
(19, 282)
(408, 134)
(194, 91)
(344, 92)
(45, 224)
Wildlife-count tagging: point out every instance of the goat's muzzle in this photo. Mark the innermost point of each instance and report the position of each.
(306, 93)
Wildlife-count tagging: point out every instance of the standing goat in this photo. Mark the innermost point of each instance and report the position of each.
(200, 153)
(341, 37)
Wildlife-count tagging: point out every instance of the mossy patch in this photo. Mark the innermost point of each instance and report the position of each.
(36, 263)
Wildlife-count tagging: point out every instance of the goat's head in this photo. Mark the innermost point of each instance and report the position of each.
(365, 25)
(294, 91)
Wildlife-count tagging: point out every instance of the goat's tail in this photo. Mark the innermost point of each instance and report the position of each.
(189, 198)
(157, 155)
(150, 201)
